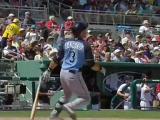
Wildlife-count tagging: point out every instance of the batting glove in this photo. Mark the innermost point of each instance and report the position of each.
(103, 71)
(46, 75)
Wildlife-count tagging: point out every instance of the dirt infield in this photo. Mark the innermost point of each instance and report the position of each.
(20, 118)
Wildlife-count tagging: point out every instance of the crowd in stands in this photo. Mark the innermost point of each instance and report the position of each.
(147, 7)
(37, 41)
(29, 41)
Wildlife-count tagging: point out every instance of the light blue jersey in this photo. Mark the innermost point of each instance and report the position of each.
(74, 55)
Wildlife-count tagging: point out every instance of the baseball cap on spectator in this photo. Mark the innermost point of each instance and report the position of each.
(137, 42)
(69, 18)
(27, 13)
(138, 36)
(154, 40)
(15, 20)
(117, 51)
(33, 26)
(41, 38)
(10, 15)
(155, 48)
(89, 31)
(107, 34)
(111, 40)
(21, 29)
(9, 40)
(145, 22)
(99, 36)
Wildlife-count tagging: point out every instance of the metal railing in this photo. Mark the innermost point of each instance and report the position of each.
(38, 13)
(97, 17)
(59, 9)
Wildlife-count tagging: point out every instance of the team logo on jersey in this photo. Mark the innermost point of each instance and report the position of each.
(113, 81)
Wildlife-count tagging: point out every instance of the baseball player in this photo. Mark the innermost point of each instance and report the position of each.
(126, 93)
(74, 53)
(145, 97)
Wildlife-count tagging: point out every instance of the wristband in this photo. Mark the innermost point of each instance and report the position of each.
(50, 70)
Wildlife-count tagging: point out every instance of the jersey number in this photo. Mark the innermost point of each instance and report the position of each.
(10, 28)
(72, 56)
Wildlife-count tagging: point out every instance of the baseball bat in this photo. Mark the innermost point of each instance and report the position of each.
(35, 100)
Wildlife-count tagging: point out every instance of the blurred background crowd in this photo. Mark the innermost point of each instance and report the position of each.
(38, 40)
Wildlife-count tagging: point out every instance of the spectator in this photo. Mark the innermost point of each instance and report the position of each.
(138, 57)
(28, 21)
(14, 42)
(15, 3)
(32, 35)
(11, 29)
(117, 57)
(10, 51)
(4, 4)
(43, 30)
(118, 43)
(10, 18)
(69, 23)
(28, 52)
(127, 37)
(51, 23)
(77, 5)
(108, 36)
(145, 27)
(100, 41)
(22, 32)
(128, 57)
(41, 42)
(39, 54)
(108, 57)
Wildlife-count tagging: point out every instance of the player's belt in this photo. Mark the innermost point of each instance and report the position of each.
(74, 71)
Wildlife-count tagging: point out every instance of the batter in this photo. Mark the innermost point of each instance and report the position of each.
(74, 53)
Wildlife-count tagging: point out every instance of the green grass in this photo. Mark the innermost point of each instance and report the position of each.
(89, 114)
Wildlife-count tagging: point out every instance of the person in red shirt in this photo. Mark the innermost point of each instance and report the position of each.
(69, 23)
(51, 22)
(100, 41)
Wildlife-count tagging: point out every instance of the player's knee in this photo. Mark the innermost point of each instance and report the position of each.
(61, 101)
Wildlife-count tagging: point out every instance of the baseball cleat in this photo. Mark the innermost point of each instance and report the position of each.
(52, 118)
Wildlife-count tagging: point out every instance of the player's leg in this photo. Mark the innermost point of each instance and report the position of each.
(143, 105)
(78, 87)
(64, 99)
(126, 105)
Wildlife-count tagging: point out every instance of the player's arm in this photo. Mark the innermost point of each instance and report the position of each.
(90, 60)
(148, 90)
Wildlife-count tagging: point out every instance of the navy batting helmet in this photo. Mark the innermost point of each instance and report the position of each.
(78, 28)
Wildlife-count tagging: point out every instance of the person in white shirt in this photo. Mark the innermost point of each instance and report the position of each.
(126, 93)
(118, 57)
(126, 38)
(145, 97)
(138, 57)
(145, 27)
(32, 35)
